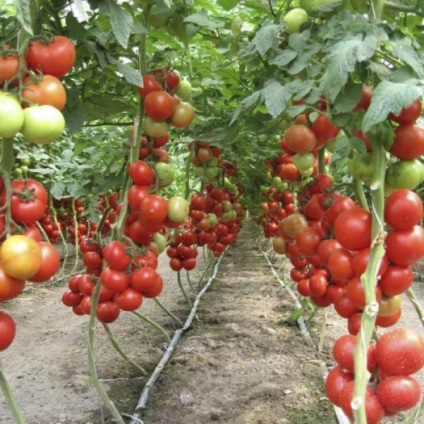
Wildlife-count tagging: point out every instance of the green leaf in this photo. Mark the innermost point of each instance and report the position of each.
(284, 58)
(23, 13)
(358, 145)
(228, 4)
(131, 75)
(348, 98)
(389, 97)
(121, 21)
(74, 118)
(79, 10)
(411, 57)
(276, 97)
(57, 189)
(202, 19)
(247, 103)
(265, 38)
(297, 314)
(342, 60)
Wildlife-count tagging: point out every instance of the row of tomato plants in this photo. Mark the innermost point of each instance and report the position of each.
(355, 250)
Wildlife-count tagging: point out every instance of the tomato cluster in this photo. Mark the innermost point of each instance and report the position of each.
(125, 275)
(163, 105)
(206, 159)
(23, 255)
(36, 110)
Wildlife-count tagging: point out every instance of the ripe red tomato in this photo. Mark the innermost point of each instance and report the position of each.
(141, 173)
(159, 105)
(303, 287)
(149, 84)
(172, 79)
(107, 311)
(343, 305)
(115, 256)
(326, 248)
(406, 247)
(144, 279)
(400, 351)
(352, 229)
(56, 58)
(373, 409)
(154, 208)
(324, 130)
(113, 280)
(129, 299)
(9, 65)
(50, 263)
(409, 114)
(28, 202)
(7, 330)
(47, 91)
(318, 285)
(409, 142)
(396, 280)
(343, 351)
(340, 265)
(340, 204)
(92, 260)
(9, 287)
(136, 194)
(360, 262)
(70, 298)
(403, 209)
(365, 99)
(398, 393)
(307, 241)
(356, 292)
(334, 383)
(299, 138)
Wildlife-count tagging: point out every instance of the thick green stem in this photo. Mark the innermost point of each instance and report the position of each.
(91, 361)
(7, 156)
(377, 8)
(369, 281)
(154, 324)
(321, 161)
(115, 344)
(9, 399)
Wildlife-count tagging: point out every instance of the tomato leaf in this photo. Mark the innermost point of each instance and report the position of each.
(276, 97)
(74, 118)
(297, 314)
(342, 61)
(202, 19)
(247, 103)
(348, 97)
(131, 75)
(228, 4)
(410, 56)
(23, 13)
(389, 97)
(121, 21)
(57, 189)
(284, 58)
(264, 39)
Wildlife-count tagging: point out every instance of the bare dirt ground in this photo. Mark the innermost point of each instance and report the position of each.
(242, 362)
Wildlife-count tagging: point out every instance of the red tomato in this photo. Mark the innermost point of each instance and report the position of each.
(324, 130)
(307, 241)
(354, 323)
(356, 292)
(303, 287)
(403, 209)
(343, 351)
(7, 330)
(149, 84)
(141, 173)
(50, 263)
(373, 409)
(334, 383)
(56, 58)
(154, 208)
(115, 256)
(129, 299)
(352, 229)
(92, 260)
(409, 114)
(159, 105)
(107, 311)
(155, 290)
(343, 305)
(388, 320)
(340, 265)
(318, 285)
(398, 393)
(409, 142)
(113, 280)
(406, 247)
(299, 138)
(70, 298)
(326, 248)
(365, 99)
(400, 351)
(340, 204)
(9, 65)
(360, 262)
(144, 279)
(396, 280)
(47, 91)
(183, 115)
(28, 202)
(136, 194)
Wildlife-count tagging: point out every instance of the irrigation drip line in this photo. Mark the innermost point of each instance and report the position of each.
(135, 418)
(340, 415)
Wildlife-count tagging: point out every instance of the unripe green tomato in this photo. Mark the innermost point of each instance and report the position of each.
(212, 218)
(160, 241)
(199, 171)
(155, 128)
(362, 166)
(306, 172)
(211, 172)
(183, 90)
(405, 174)
(178, 209)
(24, 169)
(331, 145)
(303, 161)
(42, 124)
(165, 174)
(227, 206)
(283, 186)
(11, 115)
(212, 162)
(307, 6)
(294, 19)
(276, 181)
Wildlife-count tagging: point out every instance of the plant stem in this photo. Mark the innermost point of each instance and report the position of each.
(91, 361)
(369, 281)
(322, 331)
(416, 303)
(153, 324)
(167, 311)
(189, 282)
(359, 193)
(180, 284)
(321, 161)
(9, 399)
(7, 156)
(115, 344)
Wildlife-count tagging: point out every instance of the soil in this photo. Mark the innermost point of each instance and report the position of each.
(243, 361)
